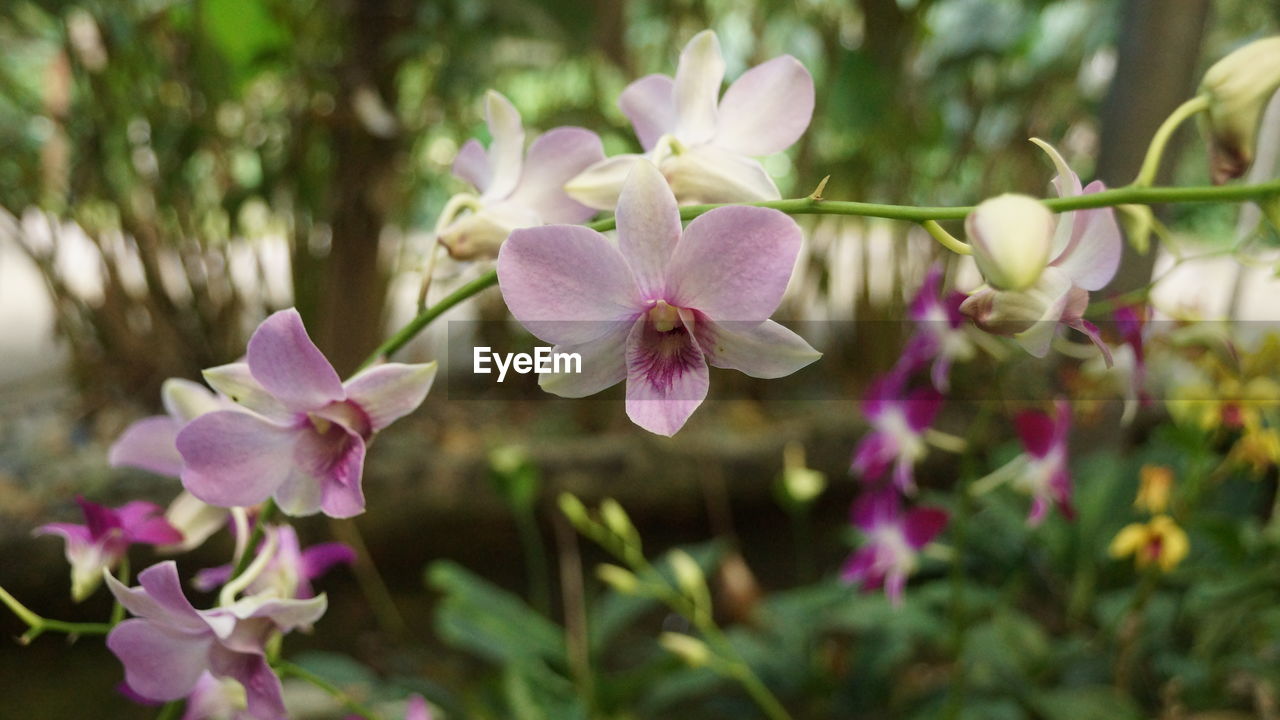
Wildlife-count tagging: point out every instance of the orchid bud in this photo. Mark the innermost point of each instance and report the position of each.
(1012, 236)
(618, 578)
(691, 650)
(1238, 87)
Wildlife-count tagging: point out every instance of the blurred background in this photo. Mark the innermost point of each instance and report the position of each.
(170, 172)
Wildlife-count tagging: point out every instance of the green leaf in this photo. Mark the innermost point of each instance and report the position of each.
(1098, 702)
(480, 617)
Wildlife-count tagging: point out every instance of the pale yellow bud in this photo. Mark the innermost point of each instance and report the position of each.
(1238, 87)
(693, 651)
(1012, 236)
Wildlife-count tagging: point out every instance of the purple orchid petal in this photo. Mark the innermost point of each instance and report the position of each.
(159, 598)
(940, 374)
(697, 88)
(895, 584)
(708, 174)
(159, 664)
(289, 366)
(286, 614)
(319, 559)
(144, 522)
(600, 184)
(764, 350)
(1036, 429)
(554, 159)
(922, 525)
(263, 693)
(210, 579)
(234, 458)
(603, 365)
(884, 393)
(875, 509)
(767, 108)
(1092, 256)
(417, 709)
(333, 460)
(472, 165)
(860, 567)
(667, 377)
(921, 407)
(72, 533)
(650, 104)
(565, 284)
(386, 393)
(904, 475)
(648, 227)
(147, 444)
(873, 456)
(100, 519)
(734, 263)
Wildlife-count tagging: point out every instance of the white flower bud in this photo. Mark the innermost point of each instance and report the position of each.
(1239, 86)
(1012, 236)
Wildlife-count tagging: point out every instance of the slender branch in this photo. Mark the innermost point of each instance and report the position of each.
(946, 239)
(288, 669)
(1155, 151)
(39, 625)
(1131, 195)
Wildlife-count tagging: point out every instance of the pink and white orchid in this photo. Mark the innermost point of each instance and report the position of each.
(1028, 299)
(169, 646)
(899, 421)
(516, 189)
(893, 541)
(301, 434)
(705, 144)
(660, 305)
(103, 541)
(940, 337)
(1042, 470)
(289, 572)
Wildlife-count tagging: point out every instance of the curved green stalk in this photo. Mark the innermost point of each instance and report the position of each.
(288, 669)
(39, 625)
(1155, 151)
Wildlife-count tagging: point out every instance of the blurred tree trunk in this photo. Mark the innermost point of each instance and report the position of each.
(1158, 52)
(352, 297)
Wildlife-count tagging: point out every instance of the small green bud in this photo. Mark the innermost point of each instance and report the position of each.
(618, 578)
(691, 650)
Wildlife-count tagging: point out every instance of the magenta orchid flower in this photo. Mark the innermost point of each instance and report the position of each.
(705, 144)
(104, 540)
(170, 645)
(289, 572)
(1042, 471)
(659, 306)
(893, 541)
(898, 421)
(516, 189)
(303, 442)
(1028, 299)
(940, 337)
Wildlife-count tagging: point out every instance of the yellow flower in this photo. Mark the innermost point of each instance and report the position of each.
(1153, 491)
(1259, 448)
(1159, 541)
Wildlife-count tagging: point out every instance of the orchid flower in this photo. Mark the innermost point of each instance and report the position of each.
(893, 541)
(704, 144)
(289, 572)
(303, 442)
(516, 189)
(170, 645)
(1083, 254)
(103, 541)
(659, 306)
(1042, 471)
(898, 421)
(940, 337)
(150, 444)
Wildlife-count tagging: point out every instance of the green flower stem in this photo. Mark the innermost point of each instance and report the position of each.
(946, 239)
(40, 625)
(1155, 151)
(811, 205)
(288, 669)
